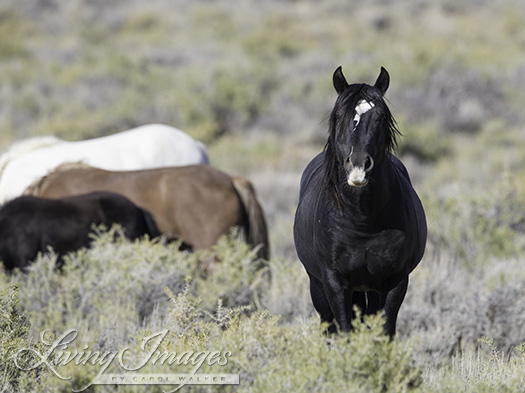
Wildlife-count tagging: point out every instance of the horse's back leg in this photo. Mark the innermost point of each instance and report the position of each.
(353, 299)
(374, 302)
(367, 302)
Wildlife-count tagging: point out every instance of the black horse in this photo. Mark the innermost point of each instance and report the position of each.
(360, 228)
(29, 225)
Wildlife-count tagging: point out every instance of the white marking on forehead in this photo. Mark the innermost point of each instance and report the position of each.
(362, 107)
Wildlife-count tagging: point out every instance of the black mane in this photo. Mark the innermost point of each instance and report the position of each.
(342, 111)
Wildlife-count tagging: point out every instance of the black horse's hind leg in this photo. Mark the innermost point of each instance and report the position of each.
(374, 302)
(368, 302)
(352, 299)
(321, 304)
(393, 301)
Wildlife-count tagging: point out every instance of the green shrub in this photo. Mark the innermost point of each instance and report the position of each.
(14, 328)
(475, 224)
(483, 370)
(118, 293)
(132, 275)
(221, 101)
(270, 357)
(423, 142)
(279, 36)
(218, 22)
(114, 291)
(14, 31)
(144, 25)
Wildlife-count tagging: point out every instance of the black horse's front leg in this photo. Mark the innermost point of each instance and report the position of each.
(394, 299)
(335, 289)
(321, 303)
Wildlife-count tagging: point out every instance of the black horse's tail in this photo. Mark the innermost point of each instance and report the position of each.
(255, 227)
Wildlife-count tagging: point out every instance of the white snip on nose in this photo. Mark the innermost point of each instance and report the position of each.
(357, 177)
(362, 107)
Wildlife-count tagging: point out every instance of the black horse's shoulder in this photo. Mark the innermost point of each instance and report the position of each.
(400, 168)
(383, 251)
(311, 172)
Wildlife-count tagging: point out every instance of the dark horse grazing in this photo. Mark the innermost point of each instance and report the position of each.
(360, 228)
(195, 203)
(29, 225)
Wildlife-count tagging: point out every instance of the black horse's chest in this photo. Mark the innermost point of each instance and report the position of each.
(365, 257)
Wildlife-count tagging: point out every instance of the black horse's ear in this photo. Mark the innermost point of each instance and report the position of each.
(339, 80)
(383, 80)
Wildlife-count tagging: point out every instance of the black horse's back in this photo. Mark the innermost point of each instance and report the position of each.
(360, 227)
(135, 220)
(29, 225)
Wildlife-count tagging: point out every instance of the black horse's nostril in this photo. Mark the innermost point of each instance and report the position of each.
(369, 164)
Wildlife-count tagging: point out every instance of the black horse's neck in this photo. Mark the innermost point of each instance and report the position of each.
(366, 204)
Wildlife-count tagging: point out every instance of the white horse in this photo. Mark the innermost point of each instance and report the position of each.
(145, 147)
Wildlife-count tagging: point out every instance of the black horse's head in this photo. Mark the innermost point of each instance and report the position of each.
(362, 130)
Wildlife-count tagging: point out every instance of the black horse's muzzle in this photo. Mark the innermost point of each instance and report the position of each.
(359, 165)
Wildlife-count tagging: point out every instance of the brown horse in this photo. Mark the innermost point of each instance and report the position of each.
(196, 203)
